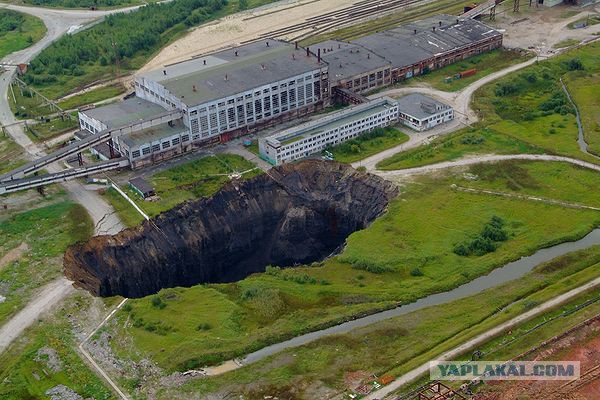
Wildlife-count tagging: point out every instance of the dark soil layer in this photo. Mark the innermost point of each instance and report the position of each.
(295, 214)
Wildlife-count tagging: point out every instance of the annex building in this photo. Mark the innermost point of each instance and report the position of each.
(314, 136)
(421, 112)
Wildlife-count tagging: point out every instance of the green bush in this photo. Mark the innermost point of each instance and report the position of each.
(416, 272)
(204, 326)
(486, 242)
(157, 302)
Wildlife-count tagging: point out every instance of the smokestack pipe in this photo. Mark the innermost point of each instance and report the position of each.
(296, 43)
(319, 55)
(307, 52)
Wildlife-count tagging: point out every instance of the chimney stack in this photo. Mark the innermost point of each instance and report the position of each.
(415, 31)
(296, 44)
(236, 53)
(204, 62)
(267, 44)
(164, 71)
(440, 23)
(434, 28)
(307, 52)
(319, 55)
(226, 77)
(368, 56)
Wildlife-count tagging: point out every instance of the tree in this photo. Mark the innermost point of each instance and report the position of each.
(243, 4)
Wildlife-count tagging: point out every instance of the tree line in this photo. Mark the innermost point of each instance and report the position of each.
(120, 37)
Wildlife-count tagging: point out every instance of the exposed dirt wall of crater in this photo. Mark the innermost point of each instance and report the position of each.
(297, 213)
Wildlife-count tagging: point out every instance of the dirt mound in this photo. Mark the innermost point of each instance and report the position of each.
(297, 213)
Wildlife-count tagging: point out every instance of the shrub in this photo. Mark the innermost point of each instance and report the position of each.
(204, 326)
(506, 89)
(371, 267)
(472, 139)
(127, 307)
(575, 64)
(486, 242)
(416, 272)
(157, 302)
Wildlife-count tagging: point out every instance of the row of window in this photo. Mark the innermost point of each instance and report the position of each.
(155, 148)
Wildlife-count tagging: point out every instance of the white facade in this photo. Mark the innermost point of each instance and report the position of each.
(314, 136)
(421, 113)
(241, 110)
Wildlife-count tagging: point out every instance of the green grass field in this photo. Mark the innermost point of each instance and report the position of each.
(524, 112)
(23, 31)
(52, 128)
(11, 154)
(368, 144)
(92, 96)
(46, 231)
(26, 105)
(28, 375)
(485, 64)
(418, 233)
(199, 178)
(585, 90)
(399, 344)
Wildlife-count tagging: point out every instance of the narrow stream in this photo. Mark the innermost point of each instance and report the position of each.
(498, 276)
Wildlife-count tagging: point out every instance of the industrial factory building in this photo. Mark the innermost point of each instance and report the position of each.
(314, 136)
(421, 112)
(220, 96)
(432, 43)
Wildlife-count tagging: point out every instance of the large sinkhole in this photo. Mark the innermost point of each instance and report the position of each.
(294, 214)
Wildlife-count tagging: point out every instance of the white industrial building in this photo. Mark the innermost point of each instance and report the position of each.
(421, 112)
(314, 136)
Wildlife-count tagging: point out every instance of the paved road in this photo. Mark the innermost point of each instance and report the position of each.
(105, 220)
(481, 159)
(457, 351)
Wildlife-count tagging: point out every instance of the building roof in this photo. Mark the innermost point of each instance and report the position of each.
(329, 122)
(424, 39)
(226, 73)
(420, 106)
(122, 113)
(153, 134)
(347, 60)
(142, 185)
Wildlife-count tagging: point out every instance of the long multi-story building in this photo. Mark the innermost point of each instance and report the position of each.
(234, 91)
(315, 136)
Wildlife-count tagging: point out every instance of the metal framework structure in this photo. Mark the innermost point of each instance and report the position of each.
(438, 391)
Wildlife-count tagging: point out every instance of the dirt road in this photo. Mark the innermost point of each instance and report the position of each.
(42, 302)
(481, 159)
(457, 351)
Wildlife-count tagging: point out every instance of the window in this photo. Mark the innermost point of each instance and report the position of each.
(155, 148)
(166, 145)
(185, 138)
(175, 141)
(135, 154)
(146, 151)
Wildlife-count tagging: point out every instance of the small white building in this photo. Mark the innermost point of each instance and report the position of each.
(314, 136)
(421, 112)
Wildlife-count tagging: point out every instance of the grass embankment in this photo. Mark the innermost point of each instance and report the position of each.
(526, 111)
(92, 96)
(566, 43)
(86, 4)
(52, 127)
(404, 255)
(11, 154)
(199, 178)
(18, 31)
(397, 345)
(75, 61)
(39, 237)
(367, 144)
(45, 356)
(585, 91)
(485, 64)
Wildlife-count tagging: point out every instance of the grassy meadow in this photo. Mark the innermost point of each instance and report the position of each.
(367, 144)
(414, 257)
(192, 180)
(40, 235)
(325, 365)
(524, 112)
(18, 31)
(485, 64)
